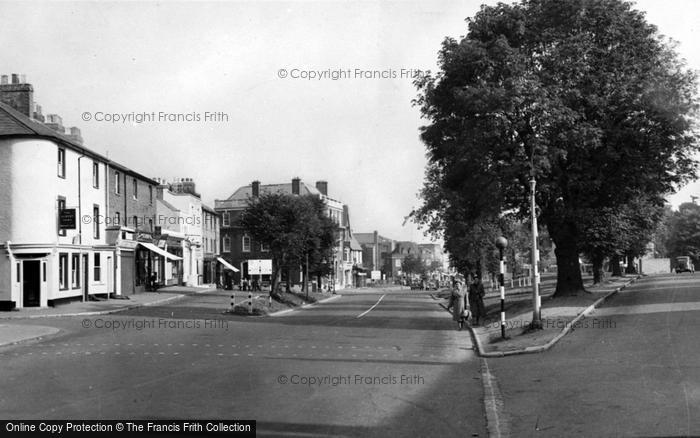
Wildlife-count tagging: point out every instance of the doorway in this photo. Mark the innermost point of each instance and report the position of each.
(31, 283)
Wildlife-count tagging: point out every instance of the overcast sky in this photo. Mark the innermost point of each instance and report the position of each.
(358, 133)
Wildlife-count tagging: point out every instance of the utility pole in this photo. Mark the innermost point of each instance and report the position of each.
(535, 256)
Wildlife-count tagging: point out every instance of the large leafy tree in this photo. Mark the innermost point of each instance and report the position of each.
(582, 95)
(293, 227)
(684, 232)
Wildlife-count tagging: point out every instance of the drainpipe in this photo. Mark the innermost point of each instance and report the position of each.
(9, 249)
(80, 228)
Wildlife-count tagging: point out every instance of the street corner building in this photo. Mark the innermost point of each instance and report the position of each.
(73, 224)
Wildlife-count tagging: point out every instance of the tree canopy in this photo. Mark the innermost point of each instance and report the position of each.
(584, 96)
(293, 227)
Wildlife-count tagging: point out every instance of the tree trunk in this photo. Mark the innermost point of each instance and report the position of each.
(615, 265)
(288, 288)
(597, 261)
(274, 278)
(631, 269)
(569, 281)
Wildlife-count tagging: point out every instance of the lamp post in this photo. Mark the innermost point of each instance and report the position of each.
(501, 244)
(536, 312)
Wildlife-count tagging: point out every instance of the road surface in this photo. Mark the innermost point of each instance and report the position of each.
(373, 363)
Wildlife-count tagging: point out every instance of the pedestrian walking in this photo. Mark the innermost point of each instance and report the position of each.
(476, 299)
(459, 304)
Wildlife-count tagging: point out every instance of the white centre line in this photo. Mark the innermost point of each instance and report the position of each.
(371, 308)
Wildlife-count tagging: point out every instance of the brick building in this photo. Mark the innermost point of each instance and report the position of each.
(253, 260)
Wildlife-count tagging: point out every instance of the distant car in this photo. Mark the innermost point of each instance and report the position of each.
(684, 264)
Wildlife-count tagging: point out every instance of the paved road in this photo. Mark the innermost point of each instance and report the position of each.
(374, 363)
(631, 370)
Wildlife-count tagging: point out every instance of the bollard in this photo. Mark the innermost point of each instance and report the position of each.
(270, 301)
(250, 302)
(233, 301)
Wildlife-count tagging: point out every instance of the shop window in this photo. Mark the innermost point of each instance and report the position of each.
(75, 271)
(97, 267)
(63, 271)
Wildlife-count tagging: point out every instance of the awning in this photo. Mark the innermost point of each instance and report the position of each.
(227, 265)
(159, 251)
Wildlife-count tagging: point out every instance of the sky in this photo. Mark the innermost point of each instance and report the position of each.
(267, 68)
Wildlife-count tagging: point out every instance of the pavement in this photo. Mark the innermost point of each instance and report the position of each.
(634, 373)
(558, 316)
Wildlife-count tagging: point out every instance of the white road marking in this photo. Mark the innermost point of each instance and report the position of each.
(371, 308)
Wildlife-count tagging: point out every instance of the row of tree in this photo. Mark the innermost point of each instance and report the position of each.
(583, 96)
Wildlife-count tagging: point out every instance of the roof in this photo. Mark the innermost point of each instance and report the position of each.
(15, 124)
(167, 204)
(247, 191)
(209, 209)
(368, 238)
(354, 244)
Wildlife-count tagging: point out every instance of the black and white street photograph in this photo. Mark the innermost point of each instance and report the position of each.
(350, 218)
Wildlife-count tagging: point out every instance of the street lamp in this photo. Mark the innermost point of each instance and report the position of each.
(535, 256)
(502, 244)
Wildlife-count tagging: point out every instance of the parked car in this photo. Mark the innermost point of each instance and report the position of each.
(684, 264)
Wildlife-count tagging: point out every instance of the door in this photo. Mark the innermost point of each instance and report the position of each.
(86, 275)
(31, 283)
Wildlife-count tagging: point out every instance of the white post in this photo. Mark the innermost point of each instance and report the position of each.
(536, 312)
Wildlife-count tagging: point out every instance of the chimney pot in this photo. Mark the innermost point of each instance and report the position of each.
(255, 188)
(23, 79)
(295, 185)
(3, 80)
(15, 78)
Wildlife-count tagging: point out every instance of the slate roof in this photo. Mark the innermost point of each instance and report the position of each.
(15, 124)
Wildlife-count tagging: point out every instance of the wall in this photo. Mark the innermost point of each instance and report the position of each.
(656, 266)
(143, 207)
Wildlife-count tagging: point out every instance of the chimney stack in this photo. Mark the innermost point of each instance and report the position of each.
(295, 185)
(255, 186)
(55, 122)
(37, 114)
(322, 186)
(75, 135)
(19, 96)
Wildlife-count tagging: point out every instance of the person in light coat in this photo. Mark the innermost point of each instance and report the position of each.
(459, 303)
